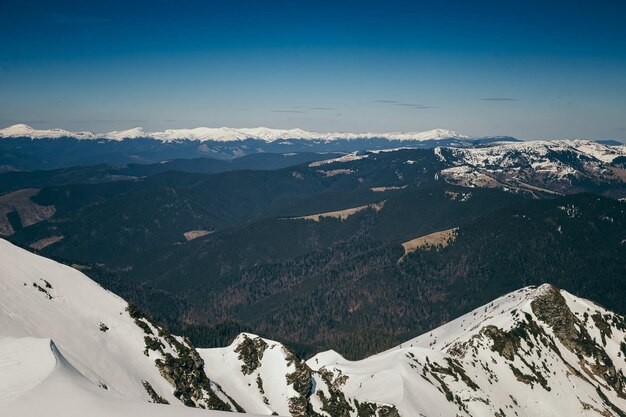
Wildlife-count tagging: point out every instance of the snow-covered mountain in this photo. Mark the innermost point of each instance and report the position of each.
(534, 352)
(550, 166)
(25, 131)
(226, 134)
(69, 347)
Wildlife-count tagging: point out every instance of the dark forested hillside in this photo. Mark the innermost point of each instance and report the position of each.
(334, 296)
(94, 174)
(104, 221)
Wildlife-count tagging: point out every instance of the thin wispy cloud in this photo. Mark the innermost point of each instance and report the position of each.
(415, 106)
(288, 111)
(498, 99)
(312, 108)
(401, 104)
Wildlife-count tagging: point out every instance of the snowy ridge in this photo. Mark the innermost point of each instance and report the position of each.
(266, 378)
(534, 352)
(226, 134)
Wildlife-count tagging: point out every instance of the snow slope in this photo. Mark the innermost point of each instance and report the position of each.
(226, 134)
(273, 394)
(91, 328)
(36, 380)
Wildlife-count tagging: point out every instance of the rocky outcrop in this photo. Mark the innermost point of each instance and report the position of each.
(550, 307)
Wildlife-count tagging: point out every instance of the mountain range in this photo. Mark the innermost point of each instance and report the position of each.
(224, 134)
(23, 148)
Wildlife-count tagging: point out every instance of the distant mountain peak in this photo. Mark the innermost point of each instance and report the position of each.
(20, 127)
(23, 130)
(444, 134)
(133, 133)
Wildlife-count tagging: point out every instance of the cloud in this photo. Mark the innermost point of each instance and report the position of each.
(312, 108)
(498, 99)
(401, 104)
(415, 106)
(288, 111)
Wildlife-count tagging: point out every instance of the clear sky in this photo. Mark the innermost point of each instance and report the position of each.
(544, 69)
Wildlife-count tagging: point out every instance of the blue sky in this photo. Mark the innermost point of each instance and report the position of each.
(528, 69)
